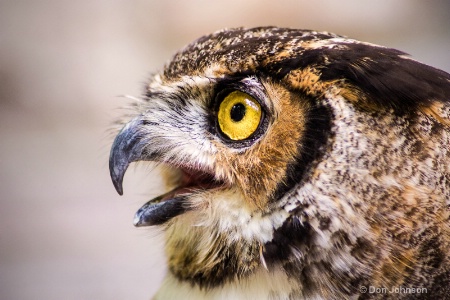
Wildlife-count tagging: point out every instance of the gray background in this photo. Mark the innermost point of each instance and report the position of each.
(64, 232)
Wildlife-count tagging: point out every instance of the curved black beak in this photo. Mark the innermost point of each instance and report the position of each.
(133, 144)
(129, 146)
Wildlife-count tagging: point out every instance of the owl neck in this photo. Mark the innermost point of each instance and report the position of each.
(263, 284)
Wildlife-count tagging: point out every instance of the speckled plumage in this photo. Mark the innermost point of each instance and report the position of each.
(344, 185)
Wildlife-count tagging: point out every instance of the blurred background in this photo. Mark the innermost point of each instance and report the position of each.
(64, 232)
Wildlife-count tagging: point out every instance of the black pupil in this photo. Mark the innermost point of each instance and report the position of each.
(237, 112)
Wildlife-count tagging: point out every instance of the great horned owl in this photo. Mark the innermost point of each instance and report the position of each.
(300, 164)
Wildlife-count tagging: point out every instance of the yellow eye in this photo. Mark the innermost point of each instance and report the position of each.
(239, 115)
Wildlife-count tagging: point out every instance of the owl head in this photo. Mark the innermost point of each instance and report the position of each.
(299, 164)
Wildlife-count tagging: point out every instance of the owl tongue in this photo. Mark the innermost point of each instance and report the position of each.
(195, 179)
(171, 204)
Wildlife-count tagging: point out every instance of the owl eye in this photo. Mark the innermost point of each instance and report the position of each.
(239, 115)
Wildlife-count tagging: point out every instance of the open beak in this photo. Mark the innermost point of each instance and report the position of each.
(135, 143)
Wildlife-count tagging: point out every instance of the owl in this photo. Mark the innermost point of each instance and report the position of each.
(298, 165)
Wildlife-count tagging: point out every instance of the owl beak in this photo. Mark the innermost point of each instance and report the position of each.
(134, 143)
(159, 210)
(128, 147)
